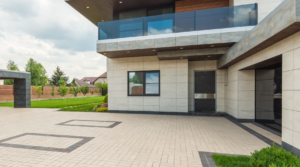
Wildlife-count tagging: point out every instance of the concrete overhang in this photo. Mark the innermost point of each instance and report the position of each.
(151, 45)
(102, 10)
(22, 87)
(281, 23)
(8, 74)
(194, 54)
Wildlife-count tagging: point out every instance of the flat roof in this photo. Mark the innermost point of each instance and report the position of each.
(102, 10)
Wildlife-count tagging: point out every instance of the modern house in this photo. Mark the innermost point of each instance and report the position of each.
(240, 57)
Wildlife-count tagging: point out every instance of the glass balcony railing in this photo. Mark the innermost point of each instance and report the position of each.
(208, 19)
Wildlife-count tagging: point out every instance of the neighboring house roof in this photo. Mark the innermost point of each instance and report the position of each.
(82, 83)
(91, 79)
(104, 75)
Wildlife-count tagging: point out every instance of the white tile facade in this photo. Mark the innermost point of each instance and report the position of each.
(240, 90)
(173, 84)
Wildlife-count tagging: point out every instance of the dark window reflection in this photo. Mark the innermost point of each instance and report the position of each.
(143, 83)
(136, 83)
(268, 92)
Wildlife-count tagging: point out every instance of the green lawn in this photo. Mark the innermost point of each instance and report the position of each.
(231, 161)
(60, 103)
(85, 108)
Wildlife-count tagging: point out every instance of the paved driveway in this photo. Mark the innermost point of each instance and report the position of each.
(46, 137)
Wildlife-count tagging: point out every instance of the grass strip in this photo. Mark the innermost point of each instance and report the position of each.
(231, 161)
(60, 103)
(84, 108)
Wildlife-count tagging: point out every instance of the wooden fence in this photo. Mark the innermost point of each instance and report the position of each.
(7, 93)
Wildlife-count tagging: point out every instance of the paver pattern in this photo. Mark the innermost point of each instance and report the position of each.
(43, 141)
(90, 123)
(264, 132)
(140, 140)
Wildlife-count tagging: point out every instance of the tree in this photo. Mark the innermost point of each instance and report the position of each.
(11, 65)
(92, 92)
(85, 90)
(37, 71)
(98, 91)
(62, 90)
(58, 74)
(39, 91)
(103, 87)
(52, 91)
(75, 91)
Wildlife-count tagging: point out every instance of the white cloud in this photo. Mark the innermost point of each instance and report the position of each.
(153, 31)
(52, 33)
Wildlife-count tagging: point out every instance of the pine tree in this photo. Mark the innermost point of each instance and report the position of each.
(58, 74)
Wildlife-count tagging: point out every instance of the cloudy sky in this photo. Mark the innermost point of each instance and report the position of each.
(52, 33)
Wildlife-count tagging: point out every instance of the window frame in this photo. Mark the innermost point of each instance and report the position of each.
(144, 83)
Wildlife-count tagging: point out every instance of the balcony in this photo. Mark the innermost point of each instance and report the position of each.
(209, 19)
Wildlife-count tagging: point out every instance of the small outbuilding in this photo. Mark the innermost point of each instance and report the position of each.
(22, 87)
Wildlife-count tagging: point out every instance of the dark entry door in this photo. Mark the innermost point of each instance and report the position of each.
(268, 96)
(205, 89)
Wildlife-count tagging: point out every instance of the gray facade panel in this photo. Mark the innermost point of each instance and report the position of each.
(209, 39)
(130, 45)
(101, 47)
(172, 41)
(165, 42)
(186, 40)
(144, 44)
(111, 46)
(232, 36)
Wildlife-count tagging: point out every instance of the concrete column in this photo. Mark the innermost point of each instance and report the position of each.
(246, 94)
(291, 101)
(220, 91)
(22, 93)
(240, 94)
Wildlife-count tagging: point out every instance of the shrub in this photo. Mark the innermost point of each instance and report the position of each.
(62, 90)
(75, 91)
(104, 105)
(105, 100)
(97, 91)
(275, 157)
(39, 91)
(52, 90)
(85, 90)
(104, 109)
(103, 87)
